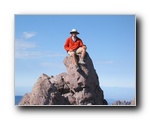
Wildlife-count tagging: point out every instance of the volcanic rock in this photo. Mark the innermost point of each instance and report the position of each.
(72, 88)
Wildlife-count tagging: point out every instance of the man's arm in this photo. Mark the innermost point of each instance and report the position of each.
(66, 46)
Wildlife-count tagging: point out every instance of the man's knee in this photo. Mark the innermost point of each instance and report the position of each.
(84, 49)
(71, 53)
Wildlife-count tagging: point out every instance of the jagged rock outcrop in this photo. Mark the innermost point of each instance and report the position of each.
(123, 102)
(71, 88)
(133, 102)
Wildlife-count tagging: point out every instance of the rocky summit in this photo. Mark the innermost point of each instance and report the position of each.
(72, 88)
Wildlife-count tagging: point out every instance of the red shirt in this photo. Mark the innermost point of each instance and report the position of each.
(73, 45)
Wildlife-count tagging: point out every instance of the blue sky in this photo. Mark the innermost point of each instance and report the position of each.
(39, 47)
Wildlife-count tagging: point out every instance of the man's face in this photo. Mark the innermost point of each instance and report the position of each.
(74, 34)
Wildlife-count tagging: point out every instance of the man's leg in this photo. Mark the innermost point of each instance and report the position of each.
(74, 58)
(73, 54)
(82, 51)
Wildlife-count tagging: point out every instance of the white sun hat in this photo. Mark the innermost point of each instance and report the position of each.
(74, 31)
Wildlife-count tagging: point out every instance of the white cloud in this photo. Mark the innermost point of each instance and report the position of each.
(21, 45)
(25, 49)
(36, 54)
(26, 54)
(27, 35)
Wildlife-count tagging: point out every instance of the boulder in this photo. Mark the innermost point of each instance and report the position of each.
(68, 88)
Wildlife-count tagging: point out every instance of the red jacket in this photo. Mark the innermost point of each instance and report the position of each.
(71, 45)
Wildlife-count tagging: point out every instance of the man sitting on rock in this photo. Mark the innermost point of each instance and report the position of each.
(74, 46)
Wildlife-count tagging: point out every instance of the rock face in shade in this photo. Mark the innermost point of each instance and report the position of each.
(72, 88)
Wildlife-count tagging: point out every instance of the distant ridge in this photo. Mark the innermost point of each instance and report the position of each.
(123, 102)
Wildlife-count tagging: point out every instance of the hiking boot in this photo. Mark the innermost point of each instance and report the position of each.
(77, 67)
(81, 61)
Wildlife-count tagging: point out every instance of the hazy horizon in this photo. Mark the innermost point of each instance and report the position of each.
(115, 93)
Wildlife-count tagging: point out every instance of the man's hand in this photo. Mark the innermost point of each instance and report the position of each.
(70, 50)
